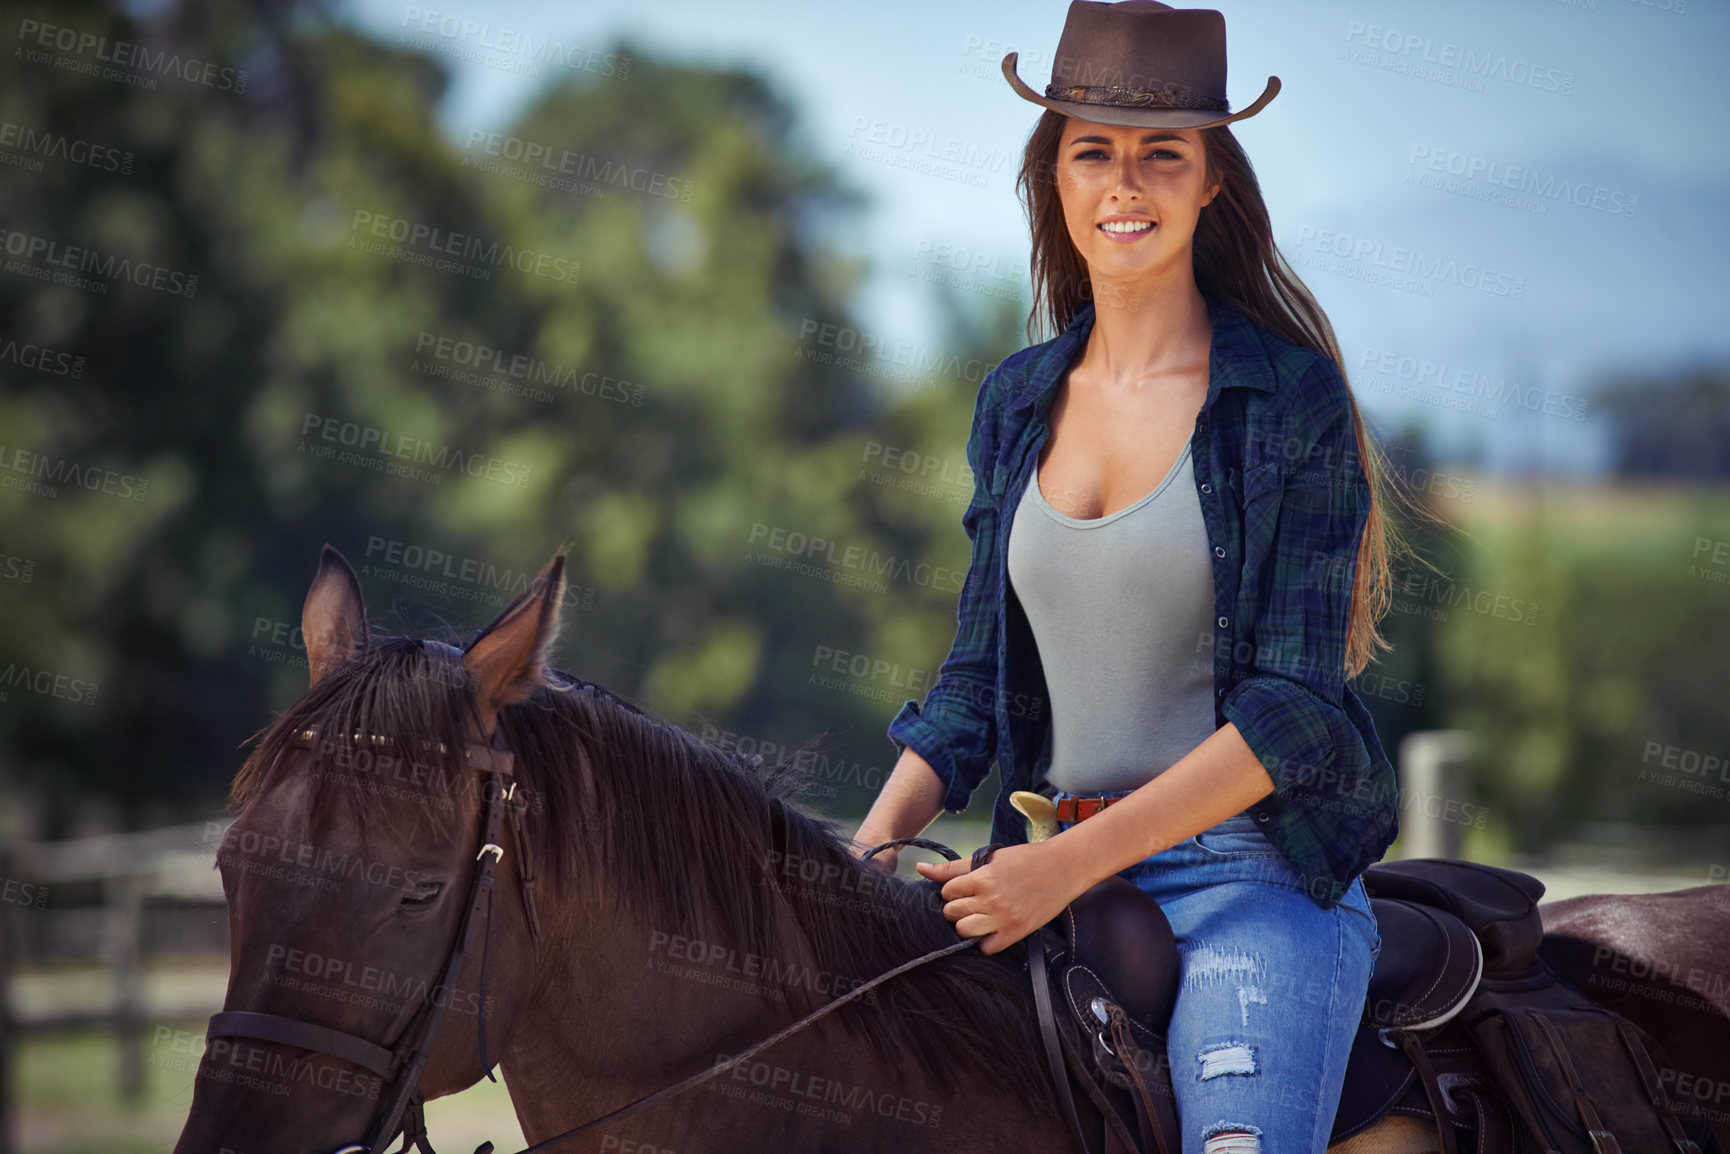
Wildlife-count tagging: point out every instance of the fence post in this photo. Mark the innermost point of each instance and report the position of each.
(1432, 787)
(8, 1030)
(125, 925)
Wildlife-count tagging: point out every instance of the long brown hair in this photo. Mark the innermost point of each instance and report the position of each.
(1236, 259)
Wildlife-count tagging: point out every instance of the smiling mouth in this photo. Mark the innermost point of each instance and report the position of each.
(1126, 229)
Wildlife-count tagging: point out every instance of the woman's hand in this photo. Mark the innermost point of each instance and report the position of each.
(1011, 896)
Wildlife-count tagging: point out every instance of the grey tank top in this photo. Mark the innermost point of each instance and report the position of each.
(1121, 608)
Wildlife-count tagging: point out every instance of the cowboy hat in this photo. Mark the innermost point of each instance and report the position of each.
(1140, 63)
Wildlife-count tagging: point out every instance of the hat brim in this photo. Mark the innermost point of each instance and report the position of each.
(1136, 117)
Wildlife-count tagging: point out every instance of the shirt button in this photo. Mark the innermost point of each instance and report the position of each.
(1218, 552)
(1206, 488)
(1223, 623)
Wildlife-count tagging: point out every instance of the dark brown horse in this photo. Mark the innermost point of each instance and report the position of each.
(682, 909)
(682, 921)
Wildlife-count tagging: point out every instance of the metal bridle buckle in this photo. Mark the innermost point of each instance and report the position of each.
(498, 853)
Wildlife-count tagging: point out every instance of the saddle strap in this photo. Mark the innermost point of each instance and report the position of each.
(1115, 1129)
(1496, 1122)
(1414, 1050)
(1037, 971)
(1603, 1140)
(1654, 1091)
(1131, 1056)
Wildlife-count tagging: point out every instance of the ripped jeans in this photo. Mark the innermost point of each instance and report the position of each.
(1271, 989)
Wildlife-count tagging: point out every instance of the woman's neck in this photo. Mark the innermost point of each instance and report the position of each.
(1147, 328)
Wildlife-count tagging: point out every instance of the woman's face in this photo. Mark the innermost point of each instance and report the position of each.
(1131, 196)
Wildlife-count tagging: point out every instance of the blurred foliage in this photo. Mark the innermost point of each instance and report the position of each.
(743, 480)
(1670, 425)
(680, 407)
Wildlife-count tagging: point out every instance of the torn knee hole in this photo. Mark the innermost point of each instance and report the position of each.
(1227, 1058)
(1232, 1142)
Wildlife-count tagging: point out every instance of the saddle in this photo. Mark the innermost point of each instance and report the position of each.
(1463, 1025)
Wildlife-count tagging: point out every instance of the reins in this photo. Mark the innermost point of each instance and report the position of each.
(721, 1067)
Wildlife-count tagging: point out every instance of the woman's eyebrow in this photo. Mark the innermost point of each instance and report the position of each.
(1150, 138)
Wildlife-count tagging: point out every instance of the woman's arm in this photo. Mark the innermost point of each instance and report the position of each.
(908, 802)
(1025, 886)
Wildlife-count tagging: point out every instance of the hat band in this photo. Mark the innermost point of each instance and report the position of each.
(1111, 94)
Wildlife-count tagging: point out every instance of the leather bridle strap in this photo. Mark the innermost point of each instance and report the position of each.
(414, 1050)
(304, 1035)
(491, 852)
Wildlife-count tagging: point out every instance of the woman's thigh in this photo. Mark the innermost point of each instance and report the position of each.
(1271, 990)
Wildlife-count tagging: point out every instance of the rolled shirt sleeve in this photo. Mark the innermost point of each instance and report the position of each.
(956, 729)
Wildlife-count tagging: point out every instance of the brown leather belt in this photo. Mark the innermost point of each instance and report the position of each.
(1081, 808)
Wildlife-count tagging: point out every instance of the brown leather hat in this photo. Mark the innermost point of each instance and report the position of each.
(1140, 63)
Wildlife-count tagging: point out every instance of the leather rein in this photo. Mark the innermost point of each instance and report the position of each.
(404, 1112)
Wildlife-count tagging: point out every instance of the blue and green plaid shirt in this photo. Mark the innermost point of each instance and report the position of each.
(1285, 501)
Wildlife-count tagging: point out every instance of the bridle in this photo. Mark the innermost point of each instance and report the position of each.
(404, 1112)
(401, 1067)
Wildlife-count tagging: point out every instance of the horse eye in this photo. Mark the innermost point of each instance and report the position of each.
(422, 895)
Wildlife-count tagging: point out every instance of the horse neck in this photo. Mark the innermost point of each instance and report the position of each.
(626, 1006)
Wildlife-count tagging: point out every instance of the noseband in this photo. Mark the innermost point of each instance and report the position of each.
(402, 1066)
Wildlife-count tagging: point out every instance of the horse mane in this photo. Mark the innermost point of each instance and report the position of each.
(680, 831)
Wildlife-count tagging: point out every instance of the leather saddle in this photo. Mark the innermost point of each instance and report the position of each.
(1105, 976)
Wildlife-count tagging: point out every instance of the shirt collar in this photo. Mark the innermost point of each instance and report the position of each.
(1236, 359)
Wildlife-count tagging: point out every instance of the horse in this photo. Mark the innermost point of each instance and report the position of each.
(643, 907)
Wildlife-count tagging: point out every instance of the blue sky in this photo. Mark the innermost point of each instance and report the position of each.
(1570, 156)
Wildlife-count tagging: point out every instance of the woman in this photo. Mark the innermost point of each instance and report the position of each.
(1179, 556)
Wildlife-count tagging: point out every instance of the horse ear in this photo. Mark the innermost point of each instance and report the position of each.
(333, 620)
(507, 660)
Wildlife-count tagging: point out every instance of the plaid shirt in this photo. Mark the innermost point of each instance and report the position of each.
(1284, 500)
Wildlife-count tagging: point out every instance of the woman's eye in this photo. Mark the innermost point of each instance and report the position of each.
(422, 894)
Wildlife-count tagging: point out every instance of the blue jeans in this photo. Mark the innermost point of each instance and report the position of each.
(1271, 987)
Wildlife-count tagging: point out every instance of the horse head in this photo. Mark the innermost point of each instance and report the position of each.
(384, 939)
